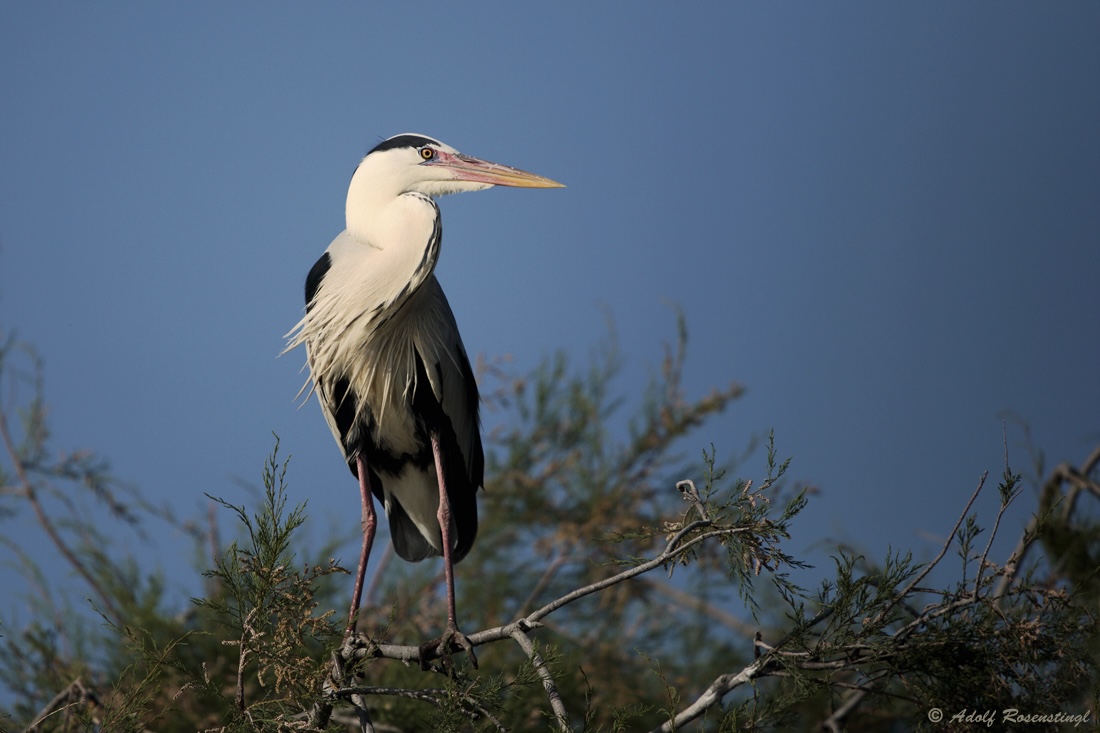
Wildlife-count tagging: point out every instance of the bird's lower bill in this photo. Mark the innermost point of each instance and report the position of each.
(468, 168)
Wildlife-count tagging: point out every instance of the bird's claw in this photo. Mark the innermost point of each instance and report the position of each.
(442, 647)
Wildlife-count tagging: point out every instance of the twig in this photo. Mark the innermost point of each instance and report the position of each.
(856, 693)
(431, 695)
(679, 544)
(833, 722)
(73, 694)
(713, 695)
(691, 494)
(989, 544)
(215, 540)
(556, 704)
(340, 678)
(242, 657)
(904, 593)
(1005, 502)
(548, 575)
(673, 549)
(1063, 473)
(724, 684)
(31, 495)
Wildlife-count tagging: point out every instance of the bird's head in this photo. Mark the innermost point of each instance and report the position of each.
(409, 163)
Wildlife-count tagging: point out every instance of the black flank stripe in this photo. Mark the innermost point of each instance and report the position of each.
(315, 276)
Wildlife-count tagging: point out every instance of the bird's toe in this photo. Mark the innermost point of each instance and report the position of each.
(451, 642)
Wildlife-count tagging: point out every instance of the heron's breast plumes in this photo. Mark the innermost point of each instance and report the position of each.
(374, 353)
(368, 319)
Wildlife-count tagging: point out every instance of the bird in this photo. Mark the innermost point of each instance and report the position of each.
(387, 363)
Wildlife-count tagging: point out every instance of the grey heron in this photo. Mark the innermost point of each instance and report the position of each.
(387, 362)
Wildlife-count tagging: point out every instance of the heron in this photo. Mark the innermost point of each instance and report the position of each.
(387, 363)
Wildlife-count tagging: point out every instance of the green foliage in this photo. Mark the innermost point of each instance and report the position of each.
(605, 592)
(268, 607)
(990, 642)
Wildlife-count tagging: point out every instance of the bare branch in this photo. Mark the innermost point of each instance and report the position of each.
(435, 696)
(1063, 473)
(714, 693)
(74, 694)
(31, 495)
(834, 723)
(556, 704)
(673, 550)
(551, 570)
(903, 593)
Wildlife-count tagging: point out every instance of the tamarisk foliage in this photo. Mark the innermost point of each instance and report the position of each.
(623, 580)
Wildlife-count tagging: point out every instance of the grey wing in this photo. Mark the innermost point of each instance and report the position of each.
(455, 390)
(455, 387)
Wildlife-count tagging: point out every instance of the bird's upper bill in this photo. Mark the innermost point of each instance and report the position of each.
(475, 170)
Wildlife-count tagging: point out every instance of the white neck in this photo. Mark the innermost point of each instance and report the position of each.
(401, 244)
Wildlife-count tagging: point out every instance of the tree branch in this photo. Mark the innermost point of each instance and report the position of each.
(672, 551)
(713, 695)
(556, 704)
(31, 495)
(1063, 473)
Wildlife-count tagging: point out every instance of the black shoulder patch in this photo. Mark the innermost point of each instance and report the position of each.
(342, 406)
(404, 141)
(315, 276)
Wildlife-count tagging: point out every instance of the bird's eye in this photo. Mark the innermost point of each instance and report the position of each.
(427, 153)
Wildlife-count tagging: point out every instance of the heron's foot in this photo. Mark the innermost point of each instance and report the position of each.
(358, 646)
(347, 660)
(452, 641)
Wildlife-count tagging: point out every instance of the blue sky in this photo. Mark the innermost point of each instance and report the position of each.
(882, 219)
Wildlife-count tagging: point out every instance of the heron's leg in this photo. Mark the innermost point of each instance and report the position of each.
(370, 522)
(451, 634)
